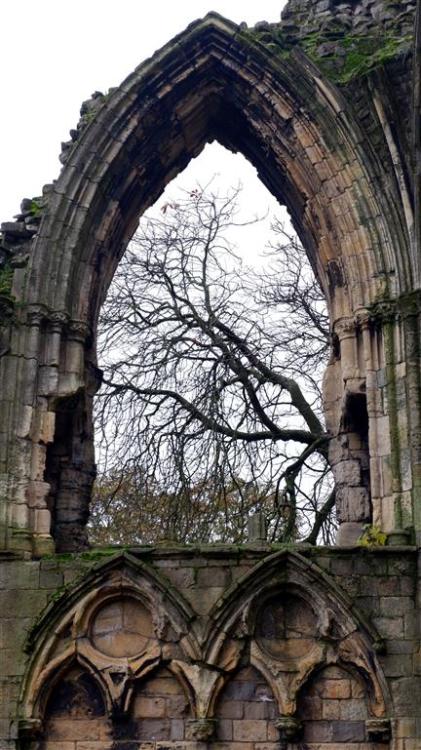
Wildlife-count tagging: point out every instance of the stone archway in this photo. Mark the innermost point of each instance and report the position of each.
(121, 656)
(215, 81)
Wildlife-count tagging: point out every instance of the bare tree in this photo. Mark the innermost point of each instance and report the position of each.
(210, 406)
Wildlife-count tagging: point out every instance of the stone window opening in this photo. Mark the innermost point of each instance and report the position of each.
(112, 456)
(70, 472)
(351, 468)
(356, 425)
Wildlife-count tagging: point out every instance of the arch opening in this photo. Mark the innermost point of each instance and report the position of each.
(214, 83)
(333, 709)
(199, 275)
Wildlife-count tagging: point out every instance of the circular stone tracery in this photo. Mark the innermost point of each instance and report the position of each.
(286, 627)
(122, 627)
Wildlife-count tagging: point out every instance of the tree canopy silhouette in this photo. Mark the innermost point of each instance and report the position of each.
(211, 407)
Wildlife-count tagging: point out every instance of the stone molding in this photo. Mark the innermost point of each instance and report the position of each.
(178, 639)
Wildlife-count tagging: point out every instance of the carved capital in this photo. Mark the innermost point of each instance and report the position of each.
(378, 730)
(384, 312)
(363, 318)
(344, 328)
(202, 730)
(58, 320)
(36, 316)
(78, 329)
(289, 728)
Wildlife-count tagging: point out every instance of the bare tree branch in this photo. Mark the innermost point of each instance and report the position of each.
(211, 384)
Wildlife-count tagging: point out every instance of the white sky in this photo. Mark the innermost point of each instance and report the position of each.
(55, 53)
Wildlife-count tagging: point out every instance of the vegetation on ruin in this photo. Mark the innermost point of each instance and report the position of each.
(372, 536)
(341, 56)
(36, 207)
(6, 280)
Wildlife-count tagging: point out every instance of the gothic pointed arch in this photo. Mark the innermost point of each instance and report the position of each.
(292, 620)
(349, 202)
(119, 623)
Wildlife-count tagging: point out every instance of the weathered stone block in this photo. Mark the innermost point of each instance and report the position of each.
(212, 577)
(318, 731)
(248, 730)
(406, 695)
(51, 578)
(397, 665)
(348, 473)
(390, 627)
(348, 731)
(393, 606)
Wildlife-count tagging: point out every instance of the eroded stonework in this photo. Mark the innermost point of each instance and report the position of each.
(325, 104)
(243, 649)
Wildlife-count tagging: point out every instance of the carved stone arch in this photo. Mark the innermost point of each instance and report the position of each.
(286, 568)
(334, 703)
(70, 688)
(209, 71)
(155, 626)
(278, 689)
(53, 674)
(245, 697)
(212, 82)
(341, 633)
(378, 702)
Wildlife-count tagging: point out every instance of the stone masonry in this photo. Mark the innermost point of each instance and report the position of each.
(259, 647)
(251, 648)
(324, 105)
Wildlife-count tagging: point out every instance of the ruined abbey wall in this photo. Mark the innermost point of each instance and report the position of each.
(257, 648)
(245, 649)
(324, 105)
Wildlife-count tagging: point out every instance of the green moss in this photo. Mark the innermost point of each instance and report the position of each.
(354, 55)
(272, 39)
(97, 553)
(6, 279)
(36, 207)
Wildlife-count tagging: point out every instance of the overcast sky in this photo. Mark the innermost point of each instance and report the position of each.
(55, 53)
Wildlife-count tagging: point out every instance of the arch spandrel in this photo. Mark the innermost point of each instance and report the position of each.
(320, 627)
(86, 625)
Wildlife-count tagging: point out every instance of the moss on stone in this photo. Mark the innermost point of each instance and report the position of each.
(6, 279)
(352, 55)
(36, 207)
(272, 39)
(372, 536)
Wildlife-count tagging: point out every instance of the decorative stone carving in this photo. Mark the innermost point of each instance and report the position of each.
(345, 328)
(316, 130)
(121, 627)
(202, 730)
(79, 330)
(101, 641)
(289, 728)
(286, 627)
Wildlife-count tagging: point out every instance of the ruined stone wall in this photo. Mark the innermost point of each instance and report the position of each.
(323, 104)
(244, 648)
(255, 648)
